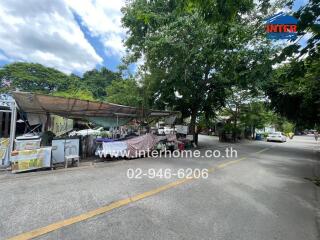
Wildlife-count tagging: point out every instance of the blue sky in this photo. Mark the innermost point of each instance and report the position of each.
(298, 3)
(109, 61)
(72, 36)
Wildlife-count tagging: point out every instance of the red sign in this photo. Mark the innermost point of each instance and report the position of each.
(274, 28)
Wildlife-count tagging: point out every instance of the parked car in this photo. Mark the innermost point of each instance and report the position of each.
(277, 137)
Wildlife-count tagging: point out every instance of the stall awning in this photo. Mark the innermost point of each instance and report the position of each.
(80, 109)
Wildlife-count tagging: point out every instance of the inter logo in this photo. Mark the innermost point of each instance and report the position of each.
(281, 26)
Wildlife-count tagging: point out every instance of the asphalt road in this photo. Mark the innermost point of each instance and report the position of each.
(261, 194)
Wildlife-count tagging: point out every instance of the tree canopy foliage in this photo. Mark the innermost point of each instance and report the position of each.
(295, 87)
(100, 84)
(219, 11)
(33, 77)
(295, 90)
(308, 29)
(190, 62)
(96, 81)
(125, 92)
(195, 53)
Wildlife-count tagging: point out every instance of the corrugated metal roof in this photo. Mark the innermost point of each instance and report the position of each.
(78, 109)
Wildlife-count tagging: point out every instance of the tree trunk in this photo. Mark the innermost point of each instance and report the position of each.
(253, 132)
(6, 125)
(234, 133)
(193, 126)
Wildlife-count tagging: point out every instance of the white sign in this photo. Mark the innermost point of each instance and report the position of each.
(182, 129)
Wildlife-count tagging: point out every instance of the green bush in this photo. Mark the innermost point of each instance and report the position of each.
(287, 127)
(228, 128)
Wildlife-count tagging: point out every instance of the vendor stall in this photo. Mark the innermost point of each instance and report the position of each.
(28, 155)
(123, 128)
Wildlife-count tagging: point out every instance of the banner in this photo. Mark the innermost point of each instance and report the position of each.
(60, 125)
(4, 144)
(30, 159)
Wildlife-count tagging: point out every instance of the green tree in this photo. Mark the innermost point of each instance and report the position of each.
(287, 127)
(96, 81)
(191, 63)
(75, 93)
(255, 115)
(219, 11)
(235, 102)
(125, 92)
(295, 89)
(204, 122)
(308, 28)
(246, 110)
(33, 77)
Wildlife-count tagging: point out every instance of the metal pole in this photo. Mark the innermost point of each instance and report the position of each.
(12, 127)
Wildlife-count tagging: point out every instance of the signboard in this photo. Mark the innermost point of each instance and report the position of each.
(182, 129)
(4, 100)
(4, 144)
(60, 125)
(281, 26)
(30, 159)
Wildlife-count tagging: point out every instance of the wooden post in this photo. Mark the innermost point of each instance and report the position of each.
(1, 119)
(6, 125)
(47, 124)
(13, 126)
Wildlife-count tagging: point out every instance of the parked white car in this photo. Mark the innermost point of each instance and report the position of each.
(276, 137)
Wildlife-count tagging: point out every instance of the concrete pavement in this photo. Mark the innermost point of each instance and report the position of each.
(265, 196)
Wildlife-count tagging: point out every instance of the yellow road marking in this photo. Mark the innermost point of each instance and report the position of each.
(85, 216)
(223, 165)
(261, 151)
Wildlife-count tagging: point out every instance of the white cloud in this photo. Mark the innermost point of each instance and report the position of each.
(103, 19)
(45, 32)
